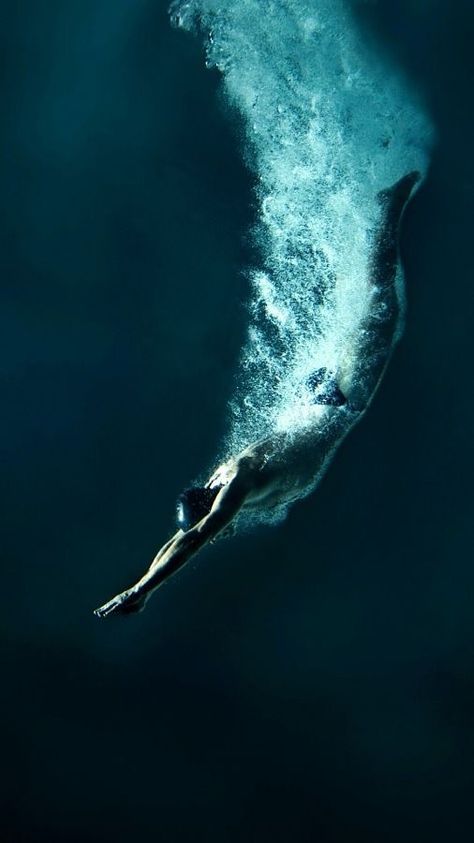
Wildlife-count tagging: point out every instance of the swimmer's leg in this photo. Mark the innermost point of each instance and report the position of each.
(379, 331)
(178, 550)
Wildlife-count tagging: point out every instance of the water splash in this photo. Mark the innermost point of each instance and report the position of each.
(328, 125)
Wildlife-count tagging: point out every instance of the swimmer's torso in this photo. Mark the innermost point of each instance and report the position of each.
(286, 466)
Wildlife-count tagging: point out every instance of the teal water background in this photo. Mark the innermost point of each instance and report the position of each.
(311, 682)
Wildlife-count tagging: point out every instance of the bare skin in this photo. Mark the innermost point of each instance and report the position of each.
(284, 467)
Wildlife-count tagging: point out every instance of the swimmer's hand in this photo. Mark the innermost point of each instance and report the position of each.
(126, 603)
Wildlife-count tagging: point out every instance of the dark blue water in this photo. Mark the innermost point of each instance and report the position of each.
(311, 682)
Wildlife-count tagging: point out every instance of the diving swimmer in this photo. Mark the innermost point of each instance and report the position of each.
(285, 466)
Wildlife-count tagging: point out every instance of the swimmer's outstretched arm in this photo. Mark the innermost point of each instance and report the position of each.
(179, 549)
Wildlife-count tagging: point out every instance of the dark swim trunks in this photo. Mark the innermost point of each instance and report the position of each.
(325, 388)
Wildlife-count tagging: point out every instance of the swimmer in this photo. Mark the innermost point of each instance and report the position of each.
(286, 466)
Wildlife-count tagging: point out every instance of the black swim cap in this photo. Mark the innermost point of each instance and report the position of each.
(193, 504)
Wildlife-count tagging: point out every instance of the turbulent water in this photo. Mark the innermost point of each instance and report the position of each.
(329, 123)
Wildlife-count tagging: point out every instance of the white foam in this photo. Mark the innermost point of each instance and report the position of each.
(328, 126)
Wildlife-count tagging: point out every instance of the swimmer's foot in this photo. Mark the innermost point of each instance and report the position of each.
(126, 603)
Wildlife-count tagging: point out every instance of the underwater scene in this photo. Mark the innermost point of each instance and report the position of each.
(232, 234)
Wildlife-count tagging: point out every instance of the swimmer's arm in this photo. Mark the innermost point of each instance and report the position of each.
(178, 550)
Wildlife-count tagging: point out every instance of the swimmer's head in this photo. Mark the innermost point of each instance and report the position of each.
(193, 504)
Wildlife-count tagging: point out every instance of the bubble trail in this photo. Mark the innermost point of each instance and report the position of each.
(328, 125)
